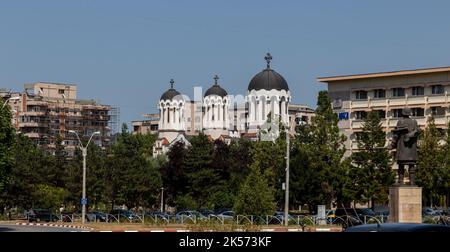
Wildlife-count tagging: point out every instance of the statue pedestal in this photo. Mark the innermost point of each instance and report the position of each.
(405, 204)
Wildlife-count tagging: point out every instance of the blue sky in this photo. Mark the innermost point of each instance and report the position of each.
(125, 52)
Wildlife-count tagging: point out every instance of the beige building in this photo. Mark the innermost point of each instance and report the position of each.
(45, 110)
(147, 126)
(425, 91)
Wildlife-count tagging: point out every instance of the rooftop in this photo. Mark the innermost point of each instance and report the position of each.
(384, 74)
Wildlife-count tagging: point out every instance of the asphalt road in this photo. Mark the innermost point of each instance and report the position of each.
(19, 228)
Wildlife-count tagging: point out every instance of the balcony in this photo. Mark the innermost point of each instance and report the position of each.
(436, 99)
(32, 135)
(378, 103)
(360, 104)
(32, 124)
(37, 103)
(413, 100)
(33, 113)
(401, 101)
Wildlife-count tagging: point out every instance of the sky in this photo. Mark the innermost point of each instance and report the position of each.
(124, 53)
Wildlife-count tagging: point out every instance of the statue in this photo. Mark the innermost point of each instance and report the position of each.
(405, 142)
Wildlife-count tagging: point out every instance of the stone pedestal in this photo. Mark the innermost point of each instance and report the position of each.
(405, 204)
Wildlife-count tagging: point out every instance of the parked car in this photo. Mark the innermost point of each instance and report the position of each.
(98, 216)
(158, 214)
(227, 215)
(129, 215)
(38, 215)
(399, 227)
(189, 215)
(207, 212)
(428, 211)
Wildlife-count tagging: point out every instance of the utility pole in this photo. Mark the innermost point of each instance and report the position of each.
(286, 195)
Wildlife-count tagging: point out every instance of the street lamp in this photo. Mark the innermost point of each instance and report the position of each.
(162, 199)
(286, 192)
(10, 99)
(84, 149)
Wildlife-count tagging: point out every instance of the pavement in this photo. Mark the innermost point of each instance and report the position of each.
(36, 228)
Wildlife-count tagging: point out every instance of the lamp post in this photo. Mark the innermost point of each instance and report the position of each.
(286, 192)
(84, 150)
(10, 98)
(162, 199)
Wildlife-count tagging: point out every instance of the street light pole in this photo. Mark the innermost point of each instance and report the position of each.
(286, 195)
(162, 199)
(84, 150)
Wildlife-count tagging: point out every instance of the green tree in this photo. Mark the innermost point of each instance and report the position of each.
(372, 173)
(317, 161)
(430, 162)
(134, 177)
(202, 179)
(255, 196)
(6, 150)
(444, 179)
(26, 173)
(173, 173)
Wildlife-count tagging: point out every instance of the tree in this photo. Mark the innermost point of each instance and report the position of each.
(444, 174)
(255, 196)
(134, 178)
(430, 162)
(202, 179)
(317, 161)
(173, 173)
(26, 173)
(6, 151)
(372, 174)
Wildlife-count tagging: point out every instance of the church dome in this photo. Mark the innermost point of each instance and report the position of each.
(268, 79)
(216, 89)
(170, 93)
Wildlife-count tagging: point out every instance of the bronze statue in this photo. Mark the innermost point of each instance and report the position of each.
(405, 142)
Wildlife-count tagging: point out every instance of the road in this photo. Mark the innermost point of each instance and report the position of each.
(19, 228)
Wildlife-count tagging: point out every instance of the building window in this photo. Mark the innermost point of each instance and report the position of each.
(417, 112)
(379, 93)
(416, 91)
(60, 91)
(398, 92)
(360, 115)
(381, 113)
(361, 95)
(397, 113)
(437, 111)
(437, 89)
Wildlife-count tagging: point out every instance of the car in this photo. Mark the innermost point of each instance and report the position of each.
(227, 215)
(120, 213)
(98, 216)
(428, 211)
(38, 215)
(189, 215)
(158, 215)
(399, 227)
(206, 212)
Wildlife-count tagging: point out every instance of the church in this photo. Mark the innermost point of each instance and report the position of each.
(222, 116)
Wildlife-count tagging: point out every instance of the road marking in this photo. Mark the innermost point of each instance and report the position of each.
(267, 230)
(105, 231)
(323, 229)
(157, 231)
(131, 231)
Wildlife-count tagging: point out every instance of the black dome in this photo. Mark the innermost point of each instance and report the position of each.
(216, 90)
(268, 79)
(169, 94)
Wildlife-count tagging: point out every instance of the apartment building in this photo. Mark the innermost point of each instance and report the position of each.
(425, 91)
(45, 110)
